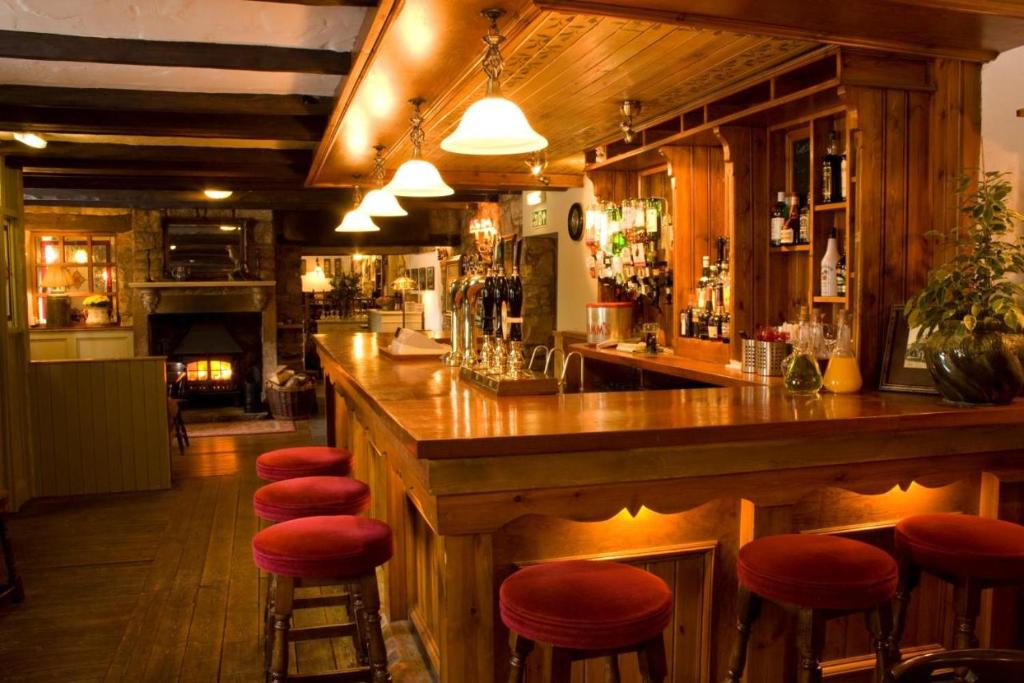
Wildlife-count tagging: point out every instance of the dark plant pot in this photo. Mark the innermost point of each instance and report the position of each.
(983, 368)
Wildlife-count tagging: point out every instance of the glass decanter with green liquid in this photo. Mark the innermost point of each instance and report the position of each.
(800, 372)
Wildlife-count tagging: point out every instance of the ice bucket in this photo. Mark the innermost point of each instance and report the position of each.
(611, 321)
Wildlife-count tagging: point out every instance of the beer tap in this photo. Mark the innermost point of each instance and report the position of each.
(514, 288)
(471, 288)
(454, 357)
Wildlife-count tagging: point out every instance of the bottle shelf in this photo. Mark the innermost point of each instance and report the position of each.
(796, 248)
(834, 206)
(830, 299)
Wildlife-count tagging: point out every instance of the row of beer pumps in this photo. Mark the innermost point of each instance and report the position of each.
(487, 318)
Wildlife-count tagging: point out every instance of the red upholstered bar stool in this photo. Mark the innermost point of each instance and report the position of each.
(317, 551)
(303, 461)
(972, 553)
(818, 577)
(586, 609)
(290, 499)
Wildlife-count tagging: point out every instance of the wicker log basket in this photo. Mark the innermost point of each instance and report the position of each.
(291, 396)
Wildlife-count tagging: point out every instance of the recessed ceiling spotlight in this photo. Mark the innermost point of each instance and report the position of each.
(30, 139)
(215, 193)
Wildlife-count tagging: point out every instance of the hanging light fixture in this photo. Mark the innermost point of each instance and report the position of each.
(357, 220)
(629, 109)
(417, 177)
(378, 201)
(493, 125)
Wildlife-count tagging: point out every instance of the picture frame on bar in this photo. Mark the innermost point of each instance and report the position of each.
(903, 370)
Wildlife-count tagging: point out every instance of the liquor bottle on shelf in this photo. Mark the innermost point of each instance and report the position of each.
(779, 214)
(805, 226)
(686, 322)
(841, 275)
(703, 323)
(714, 323)
(653, 219)
(829, 263)
(725, 326)
(695, 318)
(702, 283)
(791, 227)
(833, 172)
(723, 271)
(714, 287)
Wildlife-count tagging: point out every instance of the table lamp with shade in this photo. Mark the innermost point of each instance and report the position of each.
(57, 280)
(402, 284)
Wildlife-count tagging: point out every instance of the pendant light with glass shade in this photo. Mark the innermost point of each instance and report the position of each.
(417, 177)
(494, 125)
(378, 201)
(357, 220)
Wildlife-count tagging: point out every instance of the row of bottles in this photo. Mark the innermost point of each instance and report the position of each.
(625, 239)
(709, 318)
(791, 221)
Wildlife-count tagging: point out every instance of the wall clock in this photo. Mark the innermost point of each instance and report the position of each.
(575, 222)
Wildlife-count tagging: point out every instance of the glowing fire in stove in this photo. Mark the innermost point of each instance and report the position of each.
(202, 370)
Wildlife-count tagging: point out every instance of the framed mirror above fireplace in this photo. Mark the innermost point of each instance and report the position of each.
(206, 250)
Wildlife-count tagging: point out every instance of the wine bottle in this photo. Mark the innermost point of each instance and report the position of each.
(791, 227)
(841, 276)
(778, 220)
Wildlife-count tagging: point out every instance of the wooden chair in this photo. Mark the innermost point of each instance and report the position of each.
(11, 590)
(177, 424)
(983, 666)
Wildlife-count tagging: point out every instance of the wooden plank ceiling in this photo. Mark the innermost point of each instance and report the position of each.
(169, 98)
(569, 63)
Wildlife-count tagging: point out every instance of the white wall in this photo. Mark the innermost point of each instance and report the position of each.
(575, 286)
(431, 298)
(1002, 94)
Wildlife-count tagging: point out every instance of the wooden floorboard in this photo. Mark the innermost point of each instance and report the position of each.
(159, 586)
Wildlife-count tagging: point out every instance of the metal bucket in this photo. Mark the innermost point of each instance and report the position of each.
(770, 356)
(612, 321)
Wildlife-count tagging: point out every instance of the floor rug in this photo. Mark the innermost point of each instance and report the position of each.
(236, 428)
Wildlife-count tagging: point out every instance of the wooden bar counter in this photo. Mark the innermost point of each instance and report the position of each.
(674, 481)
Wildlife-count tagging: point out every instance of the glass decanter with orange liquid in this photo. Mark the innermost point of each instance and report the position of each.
(843, 374)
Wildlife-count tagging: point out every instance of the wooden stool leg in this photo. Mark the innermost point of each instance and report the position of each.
(374, 635)
(880, 625)
(521, 648)
(611, 673)
(810, 637)
(747, 608)
(357, 614)
(910, 576)
(967, 603)
(561, 665)
(284, 594)
(653, 665)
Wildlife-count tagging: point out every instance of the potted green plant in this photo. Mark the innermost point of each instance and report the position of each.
(97, 309)
(969, 315)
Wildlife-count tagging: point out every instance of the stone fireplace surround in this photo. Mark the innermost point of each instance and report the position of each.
(158, 298)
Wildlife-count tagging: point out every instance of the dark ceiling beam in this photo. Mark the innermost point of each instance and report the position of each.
(329, 201)
(19, 154)
(165, 101)
(65, 48)
(92, 180)
(239, 125)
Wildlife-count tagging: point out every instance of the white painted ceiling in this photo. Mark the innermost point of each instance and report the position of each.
(214, 21)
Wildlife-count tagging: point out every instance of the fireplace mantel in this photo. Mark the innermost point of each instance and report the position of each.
(151, 293)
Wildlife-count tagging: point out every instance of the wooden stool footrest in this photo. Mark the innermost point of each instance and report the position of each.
(322, 601)
(346, 630)
(360, 674)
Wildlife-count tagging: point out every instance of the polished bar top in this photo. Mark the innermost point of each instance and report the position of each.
(438, 416)
(677, 366)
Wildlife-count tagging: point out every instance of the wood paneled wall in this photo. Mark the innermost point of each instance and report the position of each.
(100, 426)
(15, 444)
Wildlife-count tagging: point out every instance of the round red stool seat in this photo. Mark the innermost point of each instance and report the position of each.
(817, 571)
(303, 461)
(334, 547)
(586, 605)
(310, 497)
(963, 545)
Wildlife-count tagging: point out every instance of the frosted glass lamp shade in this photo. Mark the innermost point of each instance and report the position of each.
(494, 126)
(315, 281)
(58, 277)
(357, 221)
(381, 203)
(418, 178)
